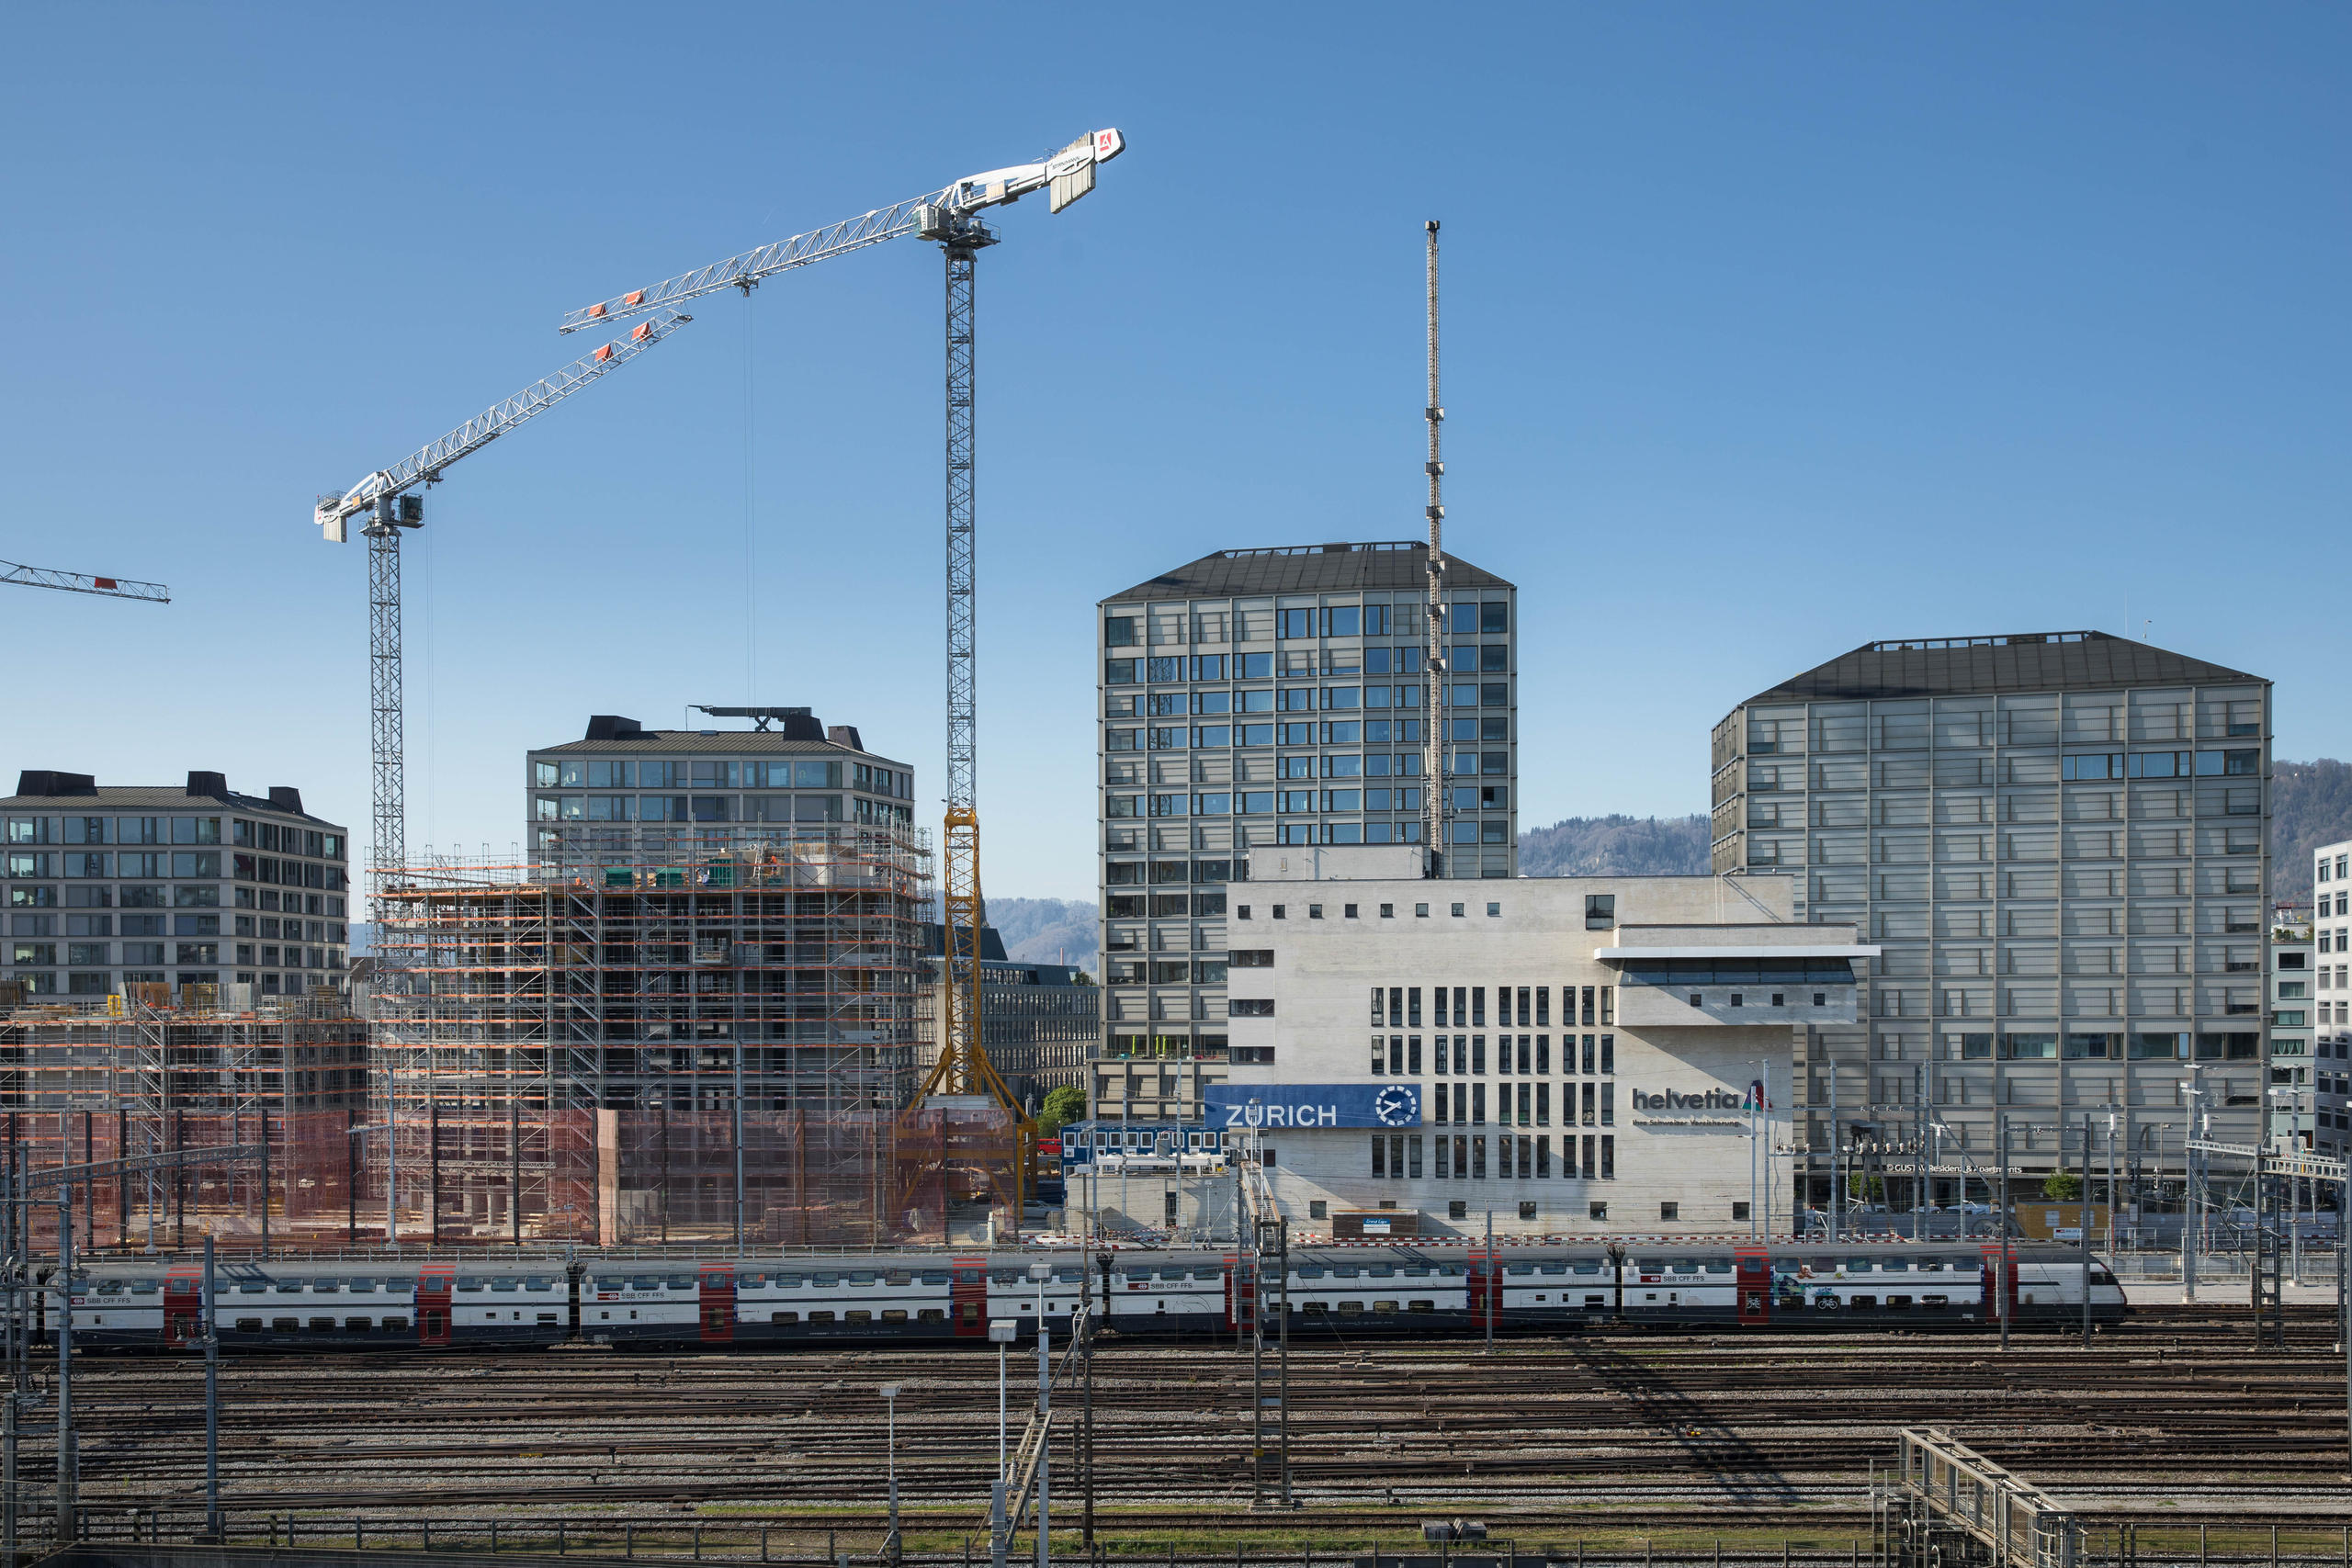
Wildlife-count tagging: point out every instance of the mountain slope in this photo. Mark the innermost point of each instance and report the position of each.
(1616, 846)
(1048, 930)
(2310, 805)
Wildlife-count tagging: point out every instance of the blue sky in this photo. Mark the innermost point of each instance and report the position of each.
(1770, 330)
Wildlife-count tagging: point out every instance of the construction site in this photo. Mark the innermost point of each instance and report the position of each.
(702, 1040)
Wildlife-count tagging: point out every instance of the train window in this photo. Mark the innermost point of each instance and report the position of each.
(1179, 1274)
(401, 1284)
(1384, 1306)
(543, 1317)
(1061, 1276)
(249, 1325)
(644, 1282)
(252, 1287)
(1686, 1266)
(933, 1277)
(1137, 1276)
(1894, 1264)
(824, 1282)
(1420, 1306)
(1352, 1309)
(1417, 1272)
(1898, 1303)
(504, 1285)
(1306, 1271)
(1858, 1266)
(1584, 1264)
(1650, 1265)
(1551, 1268)
(861, 1277)
(289, 1287)
(1519, 1268)
(783, 1317)
(396, 1325)
(142, 1287)
(1344, 1271)
(1451, 1270)
(356, 1325)
(109, 1287)
(930, 1315)
(1862, 1300)
(751, 1281)
(683, 1282)
(359, 1286)
(786, 1281)
(469, 1283)
(855, 1315)
(1718, 1265)
(1012, 1276)
(821, 1317)
(326, 1286)
(539, 1282)
(894, 1314)
(611, 1283)
(716, 1282)
(286, 1325)
(1383, 1271)
(1931, 1266)
(1312, 1309)
(323, 1325)
(898, 1280)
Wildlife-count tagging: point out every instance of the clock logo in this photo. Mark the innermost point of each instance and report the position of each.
(1397, 1106)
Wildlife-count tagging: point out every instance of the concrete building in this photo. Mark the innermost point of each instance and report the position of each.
(110, 886)
(1039, 1021)
(1263, 699)
(2059, 841)
(1573, 1055)
(2289, 976)
(2331, 996)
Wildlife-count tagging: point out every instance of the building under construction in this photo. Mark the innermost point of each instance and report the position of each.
(238, 1121)
(690, 1015)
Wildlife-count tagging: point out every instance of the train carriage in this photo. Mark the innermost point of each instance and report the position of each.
(1333, 1291)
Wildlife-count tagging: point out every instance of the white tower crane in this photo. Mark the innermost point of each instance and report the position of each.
(384, 498)
(950, 217)
(77, 583)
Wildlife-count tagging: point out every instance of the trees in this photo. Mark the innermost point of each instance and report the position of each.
(2062, 1187)
(1066, 1103)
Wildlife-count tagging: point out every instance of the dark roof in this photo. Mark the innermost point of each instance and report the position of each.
(1308, 569)
(105, 799)
(2017, 662)
(716, 742)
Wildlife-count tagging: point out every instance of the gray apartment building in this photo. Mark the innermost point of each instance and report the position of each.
(2060, 842)
(1258, 700)
(110, 886)
(1039, 1021)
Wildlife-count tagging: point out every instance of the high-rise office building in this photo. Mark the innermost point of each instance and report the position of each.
(113, 885)
(2331, 993)
(2059, 841)
(1258, 700)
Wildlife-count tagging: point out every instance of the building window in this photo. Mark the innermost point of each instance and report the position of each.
(1669, 1211)
(1739, 1212)
(1597, 1213)
(1316, 1208)
(1599, 911)
(1457, 1209)
(1527, 1209)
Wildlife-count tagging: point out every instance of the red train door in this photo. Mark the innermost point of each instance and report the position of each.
(1755, 1276)
(432, 1308)
(1485, 1287)
(967, 1298)
(183, 1308)
(2001, 1261)
(718, 1305)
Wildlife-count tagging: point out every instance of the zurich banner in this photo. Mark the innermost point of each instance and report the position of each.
(1315, 1105)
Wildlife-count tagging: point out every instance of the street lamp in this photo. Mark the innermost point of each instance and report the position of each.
(1002, 1331)
(890, 1404)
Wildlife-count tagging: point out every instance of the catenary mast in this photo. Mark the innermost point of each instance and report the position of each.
(1436, 801)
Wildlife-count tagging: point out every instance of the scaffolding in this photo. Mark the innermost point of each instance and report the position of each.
(650, 1035)
(152, 1081)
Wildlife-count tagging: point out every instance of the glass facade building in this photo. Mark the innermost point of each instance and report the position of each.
(2060, 842)
(1260, 700)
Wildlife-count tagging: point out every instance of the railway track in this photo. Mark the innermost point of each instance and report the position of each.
(2178, 1412)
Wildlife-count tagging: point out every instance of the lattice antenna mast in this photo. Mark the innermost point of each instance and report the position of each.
(1437, 798)
(390, 501)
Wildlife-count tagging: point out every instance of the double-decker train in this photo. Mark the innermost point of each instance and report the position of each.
(1331, 1291)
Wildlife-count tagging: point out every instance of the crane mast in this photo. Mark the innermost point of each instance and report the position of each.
(384, 498)
(80, 582)
(1437, 795)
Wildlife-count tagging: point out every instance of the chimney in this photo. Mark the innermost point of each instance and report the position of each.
(213, 786)
(612, 727)
(48, 781)
(286, 798)
(844, 735)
